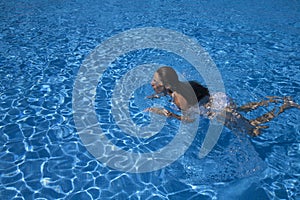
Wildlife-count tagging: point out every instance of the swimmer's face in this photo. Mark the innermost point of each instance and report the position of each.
(157, 84)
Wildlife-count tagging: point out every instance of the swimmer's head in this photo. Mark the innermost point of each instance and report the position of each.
(157, 84)
(165, 78)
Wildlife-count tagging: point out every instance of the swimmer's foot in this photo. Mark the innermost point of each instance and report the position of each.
(287, 104)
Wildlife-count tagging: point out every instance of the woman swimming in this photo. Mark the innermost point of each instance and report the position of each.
(187, 95)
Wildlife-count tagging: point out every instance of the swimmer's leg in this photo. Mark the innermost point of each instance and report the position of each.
(264, 118)
(254, 105)
(288, 103)
(260, 120)
(256, 130)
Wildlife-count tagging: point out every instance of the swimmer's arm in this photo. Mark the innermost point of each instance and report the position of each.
(169, 114)
(155, 96)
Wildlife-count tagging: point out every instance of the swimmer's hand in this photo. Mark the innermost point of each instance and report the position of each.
(167, 113)
(155, 96)
(186, 119)
(159, 111)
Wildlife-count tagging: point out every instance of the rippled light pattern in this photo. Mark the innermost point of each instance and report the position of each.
(255, 45)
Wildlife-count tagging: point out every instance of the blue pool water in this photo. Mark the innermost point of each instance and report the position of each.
(255, 45)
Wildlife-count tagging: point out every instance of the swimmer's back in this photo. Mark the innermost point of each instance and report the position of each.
(200, 90)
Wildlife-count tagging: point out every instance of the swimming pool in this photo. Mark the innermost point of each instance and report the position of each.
(43, 44)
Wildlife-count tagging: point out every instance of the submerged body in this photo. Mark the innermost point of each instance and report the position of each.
(191, 97)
